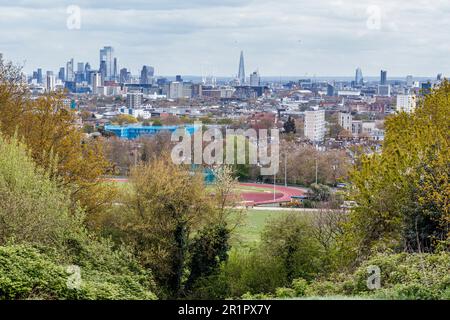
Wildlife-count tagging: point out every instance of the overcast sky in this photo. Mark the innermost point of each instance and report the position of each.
(195, 37)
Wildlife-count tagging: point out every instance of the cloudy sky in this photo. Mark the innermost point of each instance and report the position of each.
(195, 37)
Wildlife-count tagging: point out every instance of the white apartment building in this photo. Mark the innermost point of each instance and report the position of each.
(315, 125)
(345, 121)
(406, 103)
(176, 90)
(134, 99)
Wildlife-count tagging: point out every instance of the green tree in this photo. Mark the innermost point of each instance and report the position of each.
(402, 194)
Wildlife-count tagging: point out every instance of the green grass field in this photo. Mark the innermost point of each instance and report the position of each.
(249, 233)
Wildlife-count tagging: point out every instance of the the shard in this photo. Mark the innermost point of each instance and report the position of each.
(241, 74)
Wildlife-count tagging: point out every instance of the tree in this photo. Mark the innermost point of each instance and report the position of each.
(208, 250)
(124, 119)
(289, 125)
(165, 205)
(402, 195)
(49, 131)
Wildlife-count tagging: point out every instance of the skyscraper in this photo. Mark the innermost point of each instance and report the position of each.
(383, 77)
(107, 55)
(255, 79)
(103, 70)
(115, 71)
(70, 76)
(359, 77)
(87, 72)
(124, 75)
(39, 75)
(50, 81)
(96, 80)
(61, 74)
(147, 73)
(241, 73)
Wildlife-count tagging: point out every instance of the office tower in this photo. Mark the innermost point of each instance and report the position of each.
(406, 103)
(39, 76)
(80, 67)
(115, 72)
(255, 79)
(61, 74)
(241, 73)
(384, 90)
(134, 99)
(315, 125)
(330, 90)
(178, 78)
(70, 76)
(107, 55)
(439, 77)
(359, 77)
(96, 80)
(175, 90)
(50, 81)
(124, 76)
(383, 77)
(409, 81)
(87, 72)
(147, 73)
(103, 70)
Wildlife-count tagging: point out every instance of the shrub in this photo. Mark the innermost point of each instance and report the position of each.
(27, 272)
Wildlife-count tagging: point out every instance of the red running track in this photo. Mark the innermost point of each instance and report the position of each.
(282, 194)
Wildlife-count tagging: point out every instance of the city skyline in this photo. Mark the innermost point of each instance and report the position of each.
(205, 37)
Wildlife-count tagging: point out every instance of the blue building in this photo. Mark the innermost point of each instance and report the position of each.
(135, 131)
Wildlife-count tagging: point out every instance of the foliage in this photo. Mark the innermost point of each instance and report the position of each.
(27, 272)
(165, 205)
(32, 207)
(122, 119)
(319, 192)
(48, 128)
(208, 250)
(403, 193)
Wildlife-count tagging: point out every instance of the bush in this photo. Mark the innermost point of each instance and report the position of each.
(285, 293)
(27, 272)
(299, 285)
(252, 272)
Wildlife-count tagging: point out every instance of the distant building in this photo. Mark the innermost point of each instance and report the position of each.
(96, 81)
(50, 81)
(384, 90)
(409, 81)
(315, 125)
(175, 90)
(125, 76)
(39, 76)
(70, 75)
(359, 80)
(61, 74)
(330, 90)
(255, 79)
(134, 100)
(147, 74)
(345, 121)
(241, 72)
(406, 103)
(107, 56)
(383, 77)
